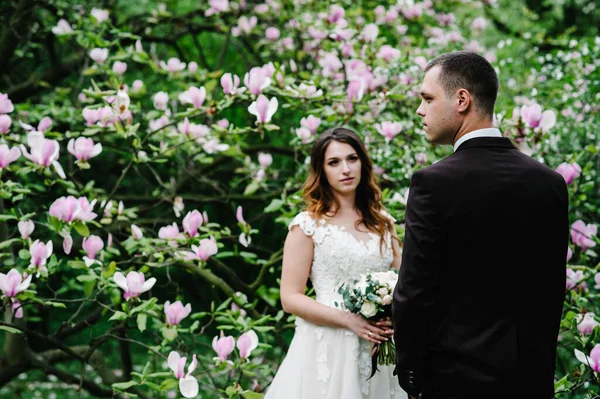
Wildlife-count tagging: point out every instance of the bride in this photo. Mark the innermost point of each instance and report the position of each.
(343, 233)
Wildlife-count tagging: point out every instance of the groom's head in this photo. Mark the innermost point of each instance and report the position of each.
(459, 88)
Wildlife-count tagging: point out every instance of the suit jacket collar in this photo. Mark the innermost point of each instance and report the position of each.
(502, 142)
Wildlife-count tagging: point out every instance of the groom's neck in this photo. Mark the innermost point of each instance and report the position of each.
(471, 125)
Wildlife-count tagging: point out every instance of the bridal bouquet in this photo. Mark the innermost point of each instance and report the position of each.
(371, 296)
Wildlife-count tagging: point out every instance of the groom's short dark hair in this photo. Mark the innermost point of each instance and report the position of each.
(470, 71)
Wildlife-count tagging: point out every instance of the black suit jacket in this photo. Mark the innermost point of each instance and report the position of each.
(479, 298)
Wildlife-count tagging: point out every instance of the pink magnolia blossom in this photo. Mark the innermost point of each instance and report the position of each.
(223, 346)
(160, 100)
(230, 84)
(582, 234)
(62, 28)
(83, 148)
(263, 108)
(92, 245)
(421, 158)
(217, 7)
(272, 33)
(90, 115)
(134, 284)
(223, 123)
(6, 106)
(169, 232)
(336, 13)
(586, 323)
(304, 134)
(12, 283)
(176, 312)
(389, 130)
(597, 280)
(574, 278)
(99, 14)
(569, 253)
(119, 67)
(40, 253)
(65, 208)
(246, 343)
(311, 122)
(26, 228)
(569, 171)
(265, 160)
(257, 80)
(388, 53)
(67, 243)
(178, 206)
(137, 85)
(8, 155)
(99, 55)
(534, 117)
(136, 232)
(173, 65)
(5, 122)
(421, 62)
(244, 26)
(191, 222)
(206, 249)
(194, 96)
(121, 104)
(86, 208)
(592, 361)
(356, 90)
(44, 152)
(369, 33)
(479, 24)
(193, 67)
(42, 127)
(240, 216)
(109, 241)
(188, 384)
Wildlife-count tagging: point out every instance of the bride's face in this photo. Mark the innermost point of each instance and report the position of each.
(342, 167)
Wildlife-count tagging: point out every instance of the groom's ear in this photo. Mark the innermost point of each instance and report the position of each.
(464, 100)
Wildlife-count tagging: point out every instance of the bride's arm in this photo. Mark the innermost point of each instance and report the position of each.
(398, 249)
(297, 258)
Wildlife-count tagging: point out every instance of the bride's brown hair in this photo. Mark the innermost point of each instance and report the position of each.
(319, 197)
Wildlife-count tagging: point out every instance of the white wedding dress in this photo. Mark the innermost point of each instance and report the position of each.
(327, 362)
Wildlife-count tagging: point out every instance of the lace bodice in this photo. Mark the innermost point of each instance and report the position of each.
(339, 257)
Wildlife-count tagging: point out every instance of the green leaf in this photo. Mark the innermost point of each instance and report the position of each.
(86, 278)
(275, 205)
(252, 395)
(55, 304)
(169, 384)
(24, 254)
(169, 333)
(10, 330)
(118, 316)
(124, 385)
(4, 218)
(144, 305)
(7, 243)
(82, 229)
(251, 188)
(142, 319)
(161, 374)
(269, 127)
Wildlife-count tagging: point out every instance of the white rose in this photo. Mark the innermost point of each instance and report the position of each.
(387, 299)
(368, 309)
(382, 292)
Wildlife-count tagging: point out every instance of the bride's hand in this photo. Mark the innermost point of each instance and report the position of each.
(366, 330)
(386, 325)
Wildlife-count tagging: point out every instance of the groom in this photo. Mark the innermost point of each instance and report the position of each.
(479, 298)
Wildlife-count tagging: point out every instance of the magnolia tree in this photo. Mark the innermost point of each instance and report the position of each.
(145, 198)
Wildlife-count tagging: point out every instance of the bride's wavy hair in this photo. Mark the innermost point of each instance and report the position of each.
(320, 199)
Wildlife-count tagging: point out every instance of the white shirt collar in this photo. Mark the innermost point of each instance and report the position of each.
(488, 132)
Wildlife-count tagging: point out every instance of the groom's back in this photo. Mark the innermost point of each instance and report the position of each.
(503, 283)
